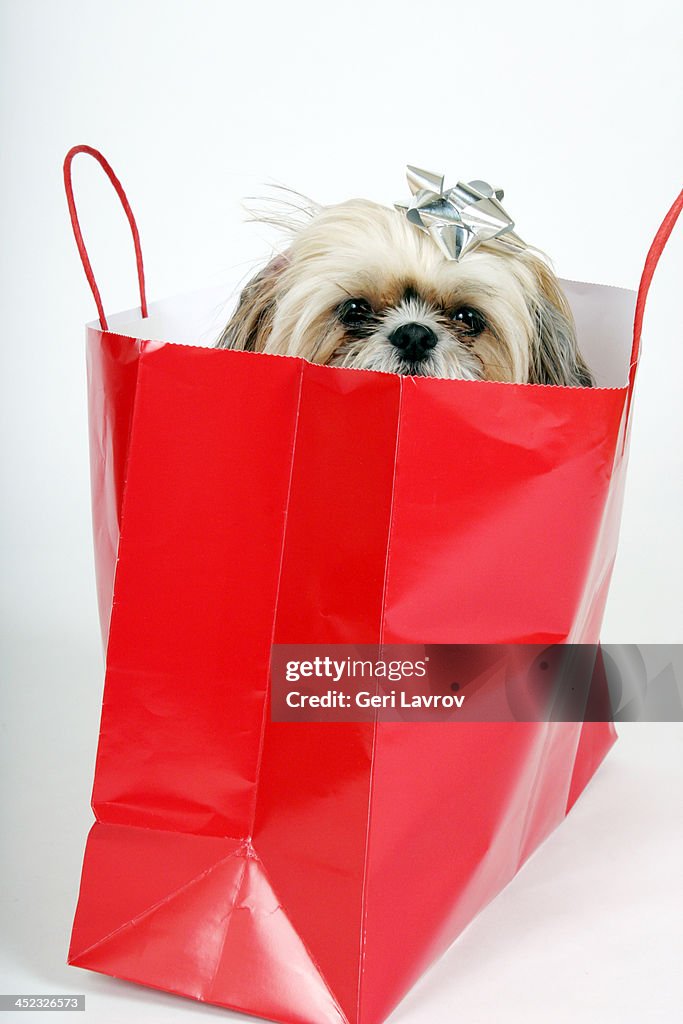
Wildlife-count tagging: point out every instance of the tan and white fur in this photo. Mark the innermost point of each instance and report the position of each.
(359, 286)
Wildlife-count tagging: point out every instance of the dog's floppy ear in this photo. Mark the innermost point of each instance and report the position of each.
(249, 326)
(555, 356)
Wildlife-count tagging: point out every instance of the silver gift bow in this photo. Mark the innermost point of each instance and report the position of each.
(461, 218)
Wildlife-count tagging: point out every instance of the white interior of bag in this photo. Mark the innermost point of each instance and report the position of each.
(604, 321)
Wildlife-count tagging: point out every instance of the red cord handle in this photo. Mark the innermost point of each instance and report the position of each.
(82, 251)
(656, 250)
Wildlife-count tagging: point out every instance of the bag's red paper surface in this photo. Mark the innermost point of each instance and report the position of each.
(310, 872)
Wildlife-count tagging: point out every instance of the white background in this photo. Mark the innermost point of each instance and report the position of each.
(575, 109)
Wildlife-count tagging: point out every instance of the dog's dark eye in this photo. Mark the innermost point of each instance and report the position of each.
(470, 319)
(355, 313)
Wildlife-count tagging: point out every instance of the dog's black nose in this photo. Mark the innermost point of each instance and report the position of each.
(413, 340)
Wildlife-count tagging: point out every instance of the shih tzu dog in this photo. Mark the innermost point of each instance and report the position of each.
(440, 288)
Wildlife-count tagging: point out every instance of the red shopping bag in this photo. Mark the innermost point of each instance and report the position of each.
(310, 872)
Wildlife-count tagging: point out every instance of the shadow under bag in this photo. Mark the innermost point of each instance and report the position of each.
(310, 872)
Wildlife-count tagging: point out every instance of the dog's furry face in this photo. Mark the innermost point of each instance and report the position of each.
(361, 287)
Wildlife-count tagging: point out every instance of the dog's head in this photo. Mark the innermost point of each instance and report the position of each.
(359, 286)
